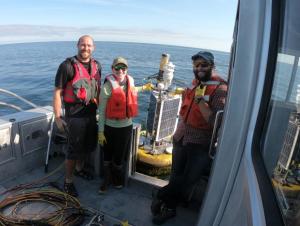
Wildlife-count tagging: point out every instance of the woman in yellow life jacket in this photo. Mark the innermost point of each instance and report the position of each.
(118, 105)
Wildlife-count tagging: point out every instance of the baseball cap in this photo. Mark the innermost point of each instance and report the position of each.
(120, 60)
(208, 56)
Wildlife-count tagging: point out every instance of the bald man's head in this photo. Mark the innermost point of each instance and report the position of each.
(85, 37)
(85, 47)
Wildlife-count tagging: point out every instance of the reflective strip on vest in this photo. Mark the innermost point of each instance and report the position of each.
(208, 83)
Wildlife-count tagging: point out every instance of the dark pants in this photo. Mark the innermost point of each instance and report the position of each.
(118, 144)
(188, 164)
(82, 136)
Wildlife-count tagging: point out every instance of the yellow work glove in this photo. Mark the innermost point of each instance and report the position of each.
(147, 87)
(200, 91)
(179, 91)
(101, 138)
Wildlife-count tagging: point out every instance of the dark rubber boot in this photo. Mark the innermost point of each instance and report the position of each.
(106, 178)
(156, 204)
(117, 176)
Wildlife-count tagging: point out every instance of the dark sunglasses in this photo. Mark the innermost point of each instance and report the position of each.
(120, 67)
(203, 65)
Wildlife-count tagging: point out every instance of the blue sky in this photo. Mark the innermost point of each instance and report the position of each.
(202, 24)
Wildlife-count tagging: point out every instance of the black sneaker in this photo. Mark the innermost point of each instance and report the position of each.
(164, 215)
(70, 189)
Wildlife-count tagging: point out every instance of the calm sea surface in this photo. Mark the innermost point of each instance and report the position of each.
(29, 69)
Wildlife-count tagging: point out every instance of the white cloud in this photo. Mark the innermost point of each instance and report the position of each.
(37, 33)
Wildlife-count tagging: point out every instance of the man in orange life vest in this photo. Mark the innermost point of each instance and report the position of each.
(192, 137)
(118, 105)
(77, 87)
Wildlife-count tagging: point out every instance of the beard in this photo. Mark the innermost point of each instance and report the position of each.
(202, 75)
(84, 55)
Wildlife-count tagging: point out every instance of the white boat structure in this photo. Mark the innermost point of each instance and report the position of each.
(254, 180)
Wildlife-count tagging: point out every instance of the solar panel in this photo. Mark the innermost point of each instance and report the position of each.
(289, 145)
(163, 115)
(151, 113)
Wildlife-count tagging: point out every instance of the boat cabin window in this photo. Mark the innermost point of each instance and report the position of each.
(281, 140)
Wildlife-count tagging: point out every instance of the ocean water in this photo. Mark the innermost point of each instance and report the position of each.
(29, 69)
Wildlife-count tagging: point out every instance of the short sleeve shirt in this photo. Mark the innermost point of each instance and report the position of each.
(64, 74)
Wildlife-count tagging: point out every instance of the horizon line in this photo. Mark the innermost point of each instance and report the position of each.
(128, 42)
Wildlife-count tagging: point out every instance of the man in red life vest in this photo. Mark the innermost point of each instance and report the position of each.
(192, 137)
(77, 87)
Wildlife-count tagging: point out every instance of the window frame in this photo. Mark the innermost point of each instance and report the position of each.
(272, 210)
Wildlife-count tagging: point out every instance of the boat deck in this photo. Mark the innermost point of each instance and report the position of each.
(132, 203)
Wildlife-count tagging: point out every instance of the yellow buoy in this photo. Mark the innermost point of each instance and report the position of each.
(153, 165)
